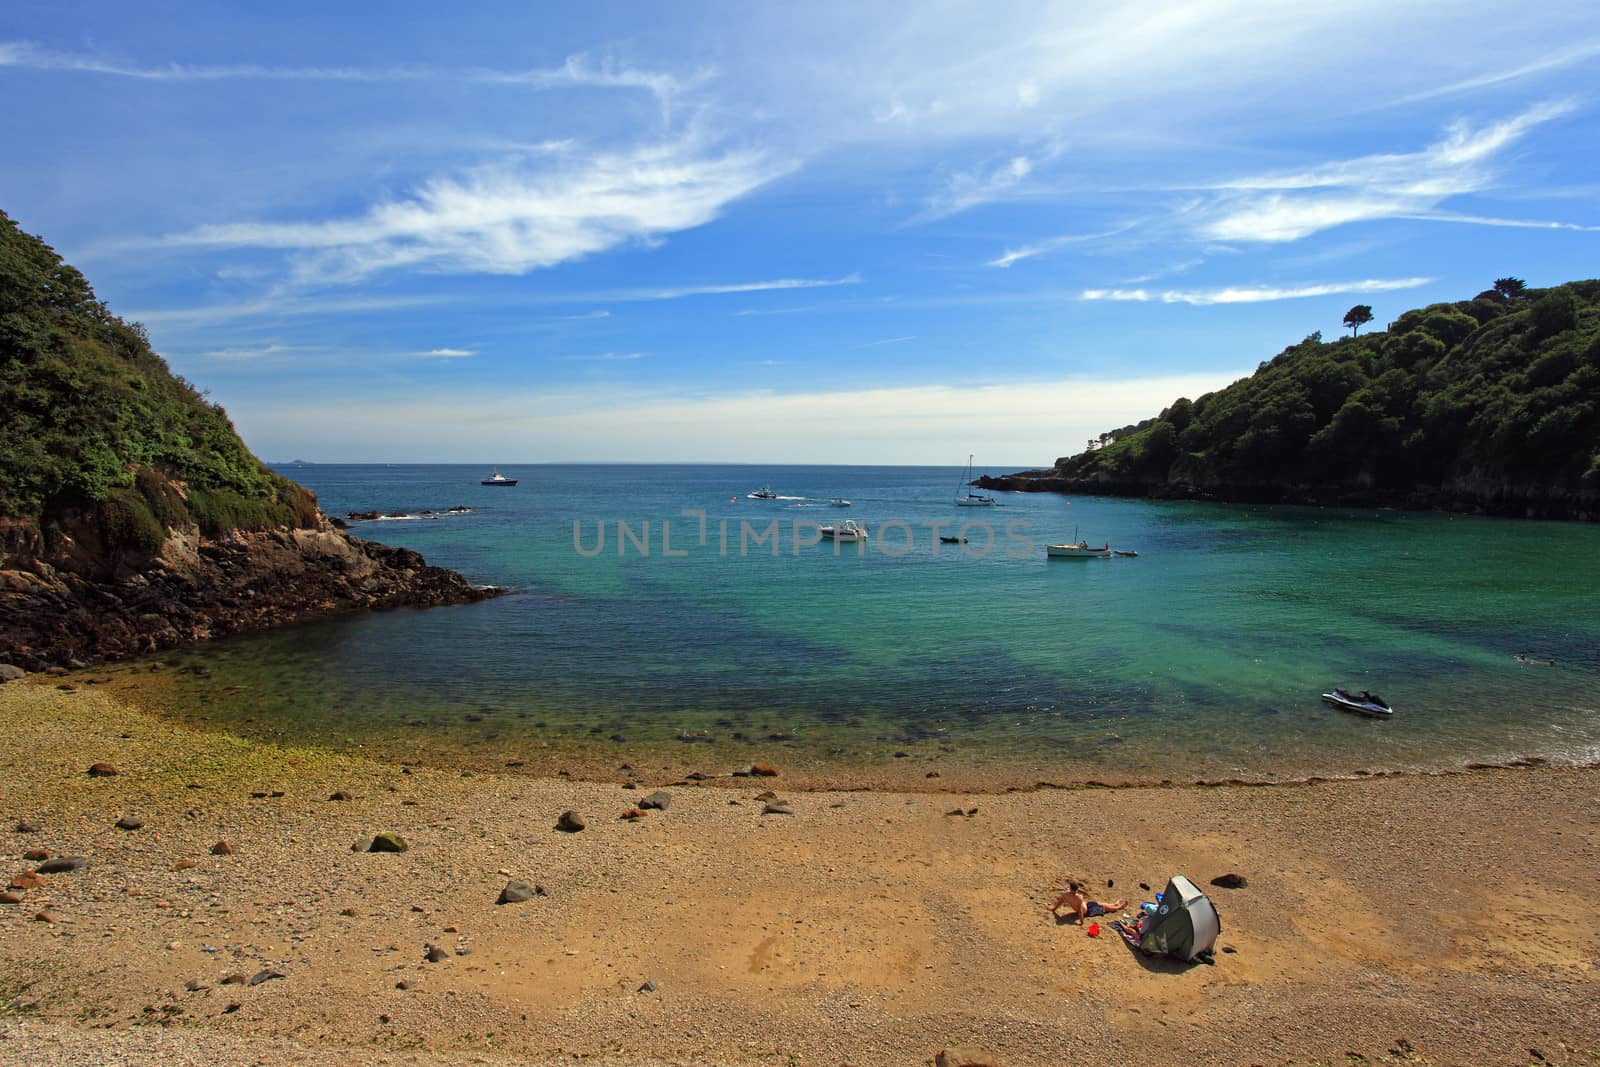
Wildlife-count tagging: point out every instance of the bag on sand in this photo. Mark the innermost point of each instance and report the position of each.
(1185, 925)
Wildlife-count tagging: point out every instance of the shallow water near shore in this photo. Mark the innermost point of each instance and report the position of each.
(1202, 657)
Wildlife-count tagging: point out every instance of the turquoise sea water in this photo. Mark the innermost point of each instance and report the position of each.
(1202, 657)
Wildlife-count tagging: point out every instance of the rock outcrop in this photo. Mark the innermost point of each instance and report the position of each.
(69, 605)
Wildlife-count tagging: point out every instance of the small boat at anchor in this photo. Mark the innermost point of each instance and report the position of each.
(1362, 703)
(848, 530)
(498, 479)
(1078, 549)
(1128, 552)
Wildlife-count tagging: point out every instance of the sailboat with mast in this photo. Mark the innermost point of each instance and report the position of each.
(966, 498)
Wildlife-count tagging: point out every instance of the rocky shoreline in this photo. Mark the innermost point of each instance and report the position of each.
(82, 604)
(1494, 500)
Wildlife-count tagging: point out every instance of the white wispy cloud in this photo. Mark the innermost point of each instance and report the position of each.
(678, 292)
(888, 341)
(598, 313)
(245, 353)
(966, 189)
(451, 353)
(1290, 205)
(607, 357)
(1252, 294)
(579, 70)
(1563, 57)
(514, 217)
(1515, 224)
(1053, 244)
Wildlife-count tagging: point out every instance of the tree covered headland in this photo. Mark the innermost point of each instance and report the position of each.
(1493, 397)
(92, 422)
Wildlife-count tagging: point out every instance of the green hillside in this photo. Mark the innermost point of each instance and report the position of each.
(1499, 391)
(92, 421)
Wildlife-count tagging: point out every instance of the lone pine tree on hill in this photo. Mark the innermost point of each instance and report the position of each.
(1358, 317)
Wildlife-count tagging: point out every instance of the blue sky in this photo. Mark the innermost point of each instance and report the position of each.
(845, 232)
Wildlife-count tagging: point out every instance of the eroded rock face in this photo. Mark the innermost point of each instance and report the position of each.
(71, 602)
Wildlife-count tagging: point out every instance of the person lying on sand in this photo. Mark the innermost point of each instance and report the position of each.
(1081, 906)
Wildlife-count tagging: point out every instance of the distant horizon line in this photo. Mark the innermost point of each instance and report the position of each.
(616, 463)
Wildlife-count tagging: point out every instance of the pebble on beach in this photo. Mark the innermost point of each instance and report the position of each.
(515, 892)
(130, 822)
(388, 843)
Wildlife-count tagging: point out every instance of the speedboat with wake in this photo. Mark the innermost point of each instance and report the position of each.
(764, 493)
(1362, 703)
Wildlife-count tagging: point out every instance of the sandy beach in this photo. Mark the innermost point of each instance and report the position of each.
(1423, 919)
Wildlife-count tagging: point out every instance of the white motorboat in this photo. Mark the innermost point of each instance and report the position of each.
(764, 493)
(1362, 703)
(1078, 549)
(498, 479)
(838, 502)
(966, 498)
(848, 530)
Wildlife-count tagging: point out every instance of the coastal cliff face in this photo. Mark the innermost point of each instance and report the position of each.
(132, 517)
(85, 602)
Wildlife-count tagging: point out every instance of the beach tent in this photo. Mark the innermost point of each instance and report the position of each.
(1185, 925)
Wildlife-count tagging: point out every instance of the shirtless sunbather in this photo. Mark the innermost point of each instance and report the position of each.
(1083, 907)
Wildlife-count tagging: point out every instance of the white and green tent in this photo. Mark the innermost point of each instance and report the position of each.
(1185, 924)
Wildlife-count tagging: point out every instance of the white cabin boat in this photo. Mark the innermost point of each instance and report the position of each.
(848, 530)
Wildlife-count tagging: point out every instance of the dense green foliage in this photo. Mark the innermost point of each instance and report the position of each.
(1502, 389)
(90, 417)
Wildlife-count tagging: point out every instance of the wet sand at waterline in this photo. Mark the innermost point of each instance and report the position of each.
(1453, 918)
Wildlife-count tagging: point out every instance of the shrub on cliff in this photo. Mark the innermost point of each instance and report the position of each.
(92, 420)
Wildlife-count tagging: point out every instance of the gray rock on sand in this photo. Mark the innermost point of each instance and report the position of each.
(130, 822)
(657, 800)
(435, 954)
(571, 822)
(9, 673)
(649, 986)
(62, 864)
(777, 807)
(515, 892)
(265, 976)
(966, 1056)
